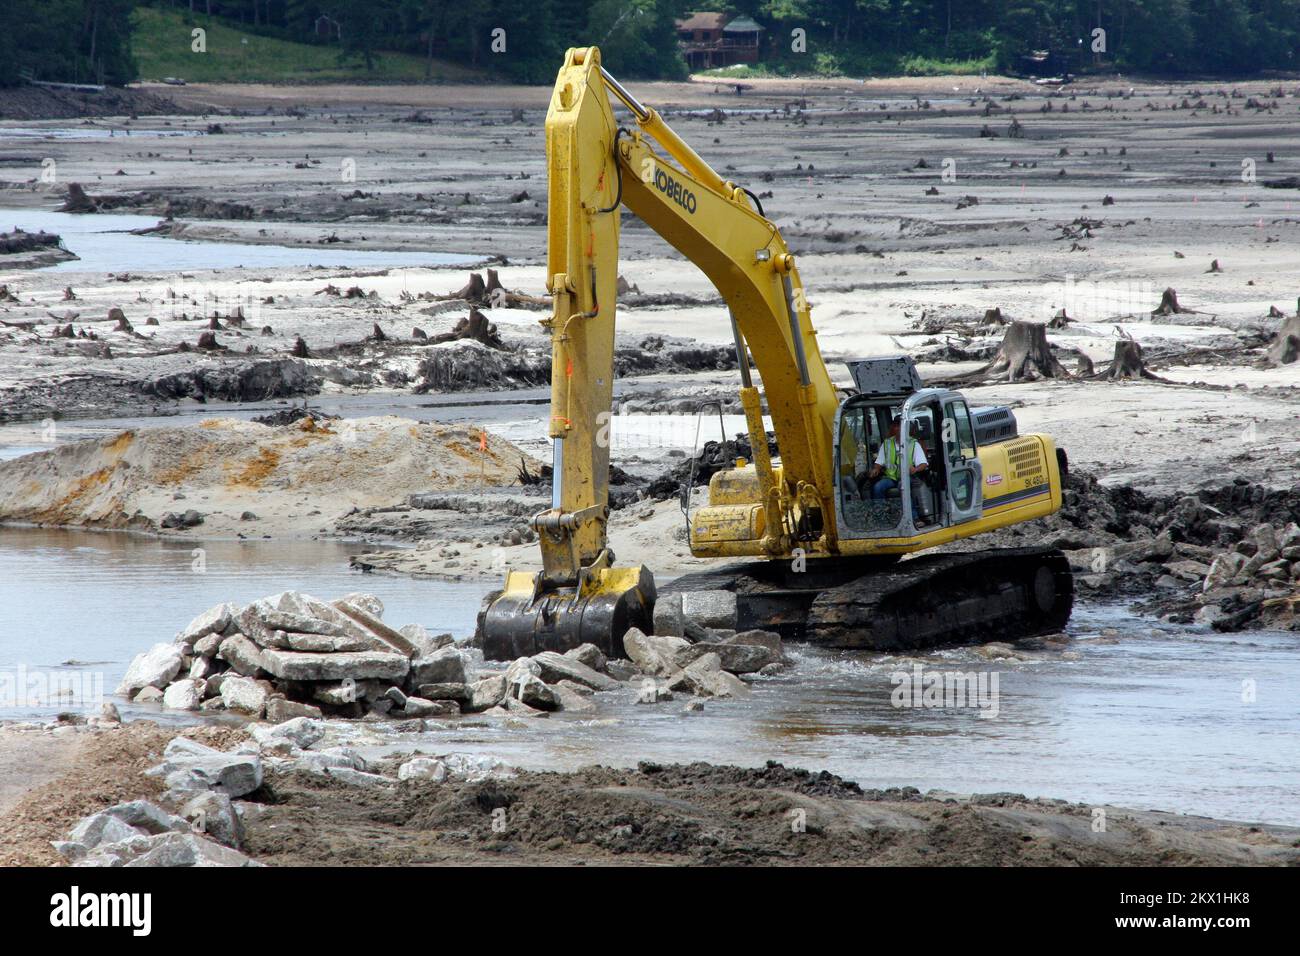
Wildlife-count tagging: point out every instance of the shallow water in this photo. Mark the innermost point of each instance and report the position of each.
(1153, 718)
(78, 605)
(103, 243)
(90, 132)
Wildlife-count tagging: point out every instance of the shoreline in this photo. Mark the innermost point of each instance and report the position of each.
(717, 814)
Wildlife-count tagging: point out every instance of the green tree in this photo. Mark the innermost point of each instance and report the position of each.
(638, 37)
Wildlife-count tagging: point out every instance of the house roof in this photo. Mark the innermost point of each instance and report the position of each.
(742, 25)
(703, 21)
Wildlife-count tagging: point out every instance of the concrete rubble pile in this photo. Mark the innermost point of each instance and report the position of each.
(291, 655)
(1252, 581)
(1258, 578)
(210, 795)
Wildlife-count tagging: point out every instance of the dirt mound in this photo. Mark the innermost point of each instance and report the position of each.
(238, 382)
(297, 476)
(711, 815)
(30, 102)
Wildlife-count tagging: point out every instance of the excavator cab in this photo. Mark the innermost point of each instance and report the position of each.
(936, 430)
(889, 390)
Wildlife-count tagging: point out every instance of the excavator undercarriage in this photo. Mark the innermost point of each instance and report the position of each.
(930, 600)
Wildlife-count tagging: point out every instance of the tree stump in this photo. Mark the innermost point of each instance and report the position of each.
(78, 200)
(476, 327)
(1024, 355)
(1169, 304)
(1286, 347)
(993, 317)
(475, 290)
(1128, 363)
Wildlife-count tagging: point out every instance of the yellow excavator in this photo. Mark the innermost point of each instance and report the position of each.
(827, 531)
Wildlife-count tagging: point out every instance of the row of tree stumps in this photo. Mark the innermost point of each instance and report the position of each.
(1025, 354)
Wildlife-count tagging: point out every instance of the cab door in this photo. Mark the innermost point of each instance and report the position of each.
(965, 474)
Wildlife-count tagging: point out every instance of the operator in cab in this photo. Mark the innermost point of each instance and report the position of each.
(887, 470)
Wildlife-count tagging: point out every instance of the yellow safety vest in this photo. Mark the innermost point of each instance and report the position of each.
(892, 466)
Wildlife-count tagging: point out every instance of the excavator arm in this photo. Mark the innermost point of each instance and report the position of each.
(594, 168)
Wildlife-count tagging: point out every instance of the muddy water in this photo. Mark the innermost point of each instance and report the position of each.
(103, 243)
(1153, 716)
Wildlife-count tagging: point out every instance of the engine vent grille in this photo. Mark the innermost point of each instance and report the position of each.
(1026, 458)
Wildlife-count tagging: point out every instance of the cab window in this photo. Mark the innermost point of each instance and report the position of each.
(958, 433)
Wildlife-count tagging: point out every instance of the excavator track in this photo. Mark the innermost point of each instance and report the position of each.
(928, 601)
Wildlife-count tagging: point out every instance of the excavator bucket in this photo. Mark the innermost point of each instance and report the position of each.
(526, 618)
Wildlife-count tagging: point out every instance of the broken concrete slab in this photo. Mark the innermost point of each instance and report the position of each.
(156, 667)
(99, 828)
(245, 695)
(424, 642)
(452, 691)
(243, 656)
(212, 621)
(570, 699)
(208, 645)
(184, 694)
(322, 643)
(398, 641)
(535, 693)
(588, 654)
(146, 817)
(444, 666)
(300, 732)
(423, 768)
(705, 677)
(735, 658)
(423, 707)
(676, 610)
(307, 666)
(280, 709)
(351, 777)
(514, 706)
(486, 693)
(769, 639)
(317, 761)
(654, 654)
(214, 815)
(557, 667)
(230, 773)
(188, 849)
